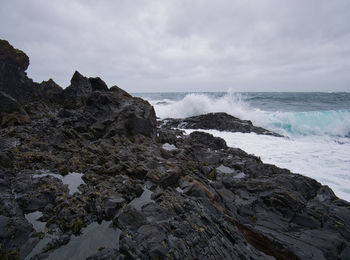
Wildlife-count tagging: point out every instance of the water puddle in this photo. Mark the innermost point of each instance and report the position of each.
(239, 175)
(33, 219)
(144, 199)
(41, 245)
(224, 169)
(94, 237)
(227, 170)
(169, 147)
(178, 189)
(73, 180)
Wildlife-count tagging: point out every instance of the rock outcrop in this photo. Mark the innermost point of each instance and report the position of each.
(90, 176)
(13, 79)
(218, 121)
(11, 112)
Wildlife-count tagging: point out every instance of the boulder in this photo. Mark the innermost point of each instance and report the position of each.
(214, 143)
(218, 121)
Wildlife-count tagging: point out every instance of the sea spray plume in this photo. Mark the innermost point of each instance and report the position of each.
(201, 103)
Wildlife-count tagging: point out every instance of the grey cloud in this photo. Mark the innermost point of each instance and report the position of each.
(186, 45)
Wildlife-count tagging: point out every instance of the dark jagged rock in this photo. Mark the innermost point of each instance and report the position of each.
(13, 79)
(218, 121)
(50, 91)
(10, 56)
(77, 93)
(98, 84)
(80, 89)
(11, 112)
(9, 105)
(214, 143)
(160, 193)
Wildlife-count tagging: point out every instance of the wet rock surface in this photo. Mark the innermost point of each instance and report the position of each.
(218, 121)
(146, 192)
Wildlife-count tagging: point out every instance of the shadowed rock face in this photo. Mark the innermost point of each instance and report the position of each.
(198, 200)
(87, 105)
(13, 64)
(11, 112)
(10, 56)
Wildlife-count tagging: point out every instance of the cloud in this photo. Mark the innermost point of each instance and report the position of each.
(186, 45)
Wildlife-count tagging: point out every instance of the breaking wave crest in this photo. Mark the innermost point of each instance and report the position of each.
(320, 123)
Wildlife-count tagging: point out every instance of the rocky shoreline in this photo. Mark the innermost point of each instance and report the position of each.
(218, 121)
(88, 173)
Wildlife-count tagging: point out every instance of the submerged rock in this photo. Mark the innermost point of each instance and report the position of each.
(148, 191)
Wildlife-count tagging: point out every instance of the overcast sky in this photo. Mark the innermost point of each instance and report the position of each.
(185, 45)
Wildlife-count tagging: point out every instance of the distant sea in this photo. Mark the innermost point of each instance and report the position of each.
(316, 126)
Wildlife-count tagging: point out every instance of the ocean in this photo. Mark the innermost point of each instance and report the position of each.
(316, 127)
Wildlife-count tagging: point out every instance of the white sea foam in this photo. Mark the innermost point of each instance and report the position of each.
(322, 159)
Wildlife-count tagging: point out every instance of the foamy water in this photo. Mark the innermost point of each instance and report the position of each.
(197, 104)
(323, 160)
